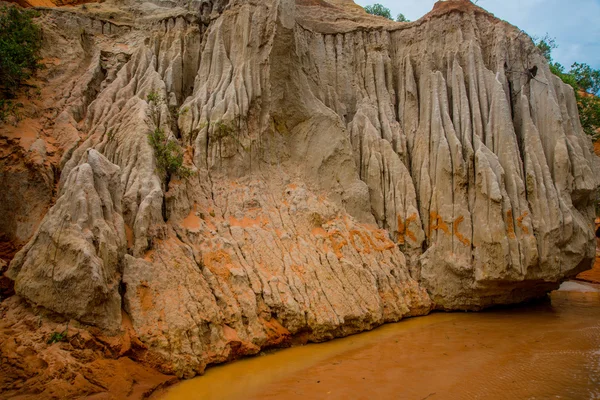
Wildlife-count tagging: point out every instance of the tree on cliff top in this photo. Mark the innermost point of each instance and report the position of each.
(379, 10)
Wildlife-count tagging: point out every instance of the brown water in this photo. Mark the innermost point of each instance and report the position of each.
(549, 350)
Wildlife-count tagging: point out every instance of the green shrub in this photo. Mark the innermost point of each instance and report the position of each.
(20, 43)
(222, 130)
(589, 114)
(378, 9)
(154, 97)
(168, 153)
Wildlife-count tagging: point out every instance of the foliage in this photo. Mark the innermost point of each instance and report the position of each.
(222, 130)
(57, 337)
(402, 18)
(584, 80)
(382, 11)
(546, 44)
(589, 114)
(587, 78)
(168, 153)
(154, 97)
(20, 43)
(378, 9)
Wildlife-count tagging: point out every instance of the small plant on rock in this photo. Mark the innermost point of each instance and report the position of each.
(222, 130)
(57, 337)
(168, 153)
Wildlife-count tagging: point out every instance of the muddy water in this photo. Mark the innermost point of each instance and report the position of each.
(543, 351)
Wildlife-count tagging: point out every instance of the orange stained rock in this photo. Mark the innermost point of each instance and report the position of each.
(510, 225)
(458, 235)
(248, 222)
(319, 232)
(144, 294)
(403, 230)
(436, 223)
(383, 242)
(218, 262)
(365, 242)
(277, 335)
(520, 223)
(192, 221)
(129, 235)
(337, 245)
(298, 269)
(149, 255)
(230, 334)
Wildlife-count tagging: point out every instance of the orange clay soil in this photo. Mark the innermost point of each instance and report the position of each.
(48, 3)
(87, 364)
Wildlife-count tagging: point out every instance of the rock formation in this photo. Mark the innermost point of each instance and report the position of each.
(347, 171)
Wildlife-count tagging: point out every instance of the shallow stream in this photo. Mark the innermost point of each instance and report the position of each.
(547, 350)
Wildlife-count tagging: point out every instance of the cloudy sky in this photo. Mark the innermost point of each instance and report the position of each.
(574, 23)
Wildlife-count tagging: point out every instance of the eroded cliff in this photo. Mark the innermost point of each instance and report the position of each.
(347, 171)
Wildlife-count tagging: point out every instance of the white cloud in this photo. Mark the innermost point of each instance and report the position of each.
(574, 23)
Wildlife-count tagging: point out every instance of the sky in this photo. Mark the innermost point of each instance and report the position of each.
(574, 23)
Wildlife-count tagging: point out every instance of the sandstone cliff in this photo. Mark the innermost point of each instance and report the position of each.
(347, 171)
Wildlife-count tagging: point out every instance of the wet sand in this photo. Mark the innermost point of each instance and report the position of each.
(541, 351)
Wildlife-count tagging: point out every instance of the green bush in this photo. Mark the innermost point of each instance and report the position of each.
(20, 43)
(168, 153)
(222, 130)
(589, 114)
(378, 9)
(587, 79)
